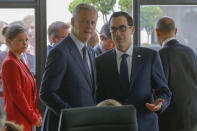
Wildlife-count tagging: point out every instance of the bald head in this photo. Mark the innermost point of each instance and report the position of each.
(166, 25)
(165, 28)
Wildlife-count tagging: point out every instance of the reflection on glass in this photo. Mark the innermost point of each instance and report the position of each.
(185, 18)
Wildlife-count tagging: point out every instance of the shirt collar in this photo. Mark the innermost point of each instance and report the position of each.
(128, 52)
(77, 42)
(167, 40)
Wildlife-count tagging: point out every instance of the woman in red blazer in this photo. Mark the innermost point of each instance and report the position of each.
(19, 88)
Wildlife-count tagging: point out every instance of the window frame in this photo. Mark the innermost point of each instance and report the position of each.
(136, 12)
(39, 7)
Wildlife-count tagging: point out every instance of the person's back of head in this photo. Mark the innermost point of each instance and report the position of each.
(11, 126)
(165, 28)
(109, 102)
(166, 25)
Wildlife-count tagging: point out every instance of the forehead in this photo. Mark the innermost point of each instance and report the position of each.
(87, 14)
(118, 21)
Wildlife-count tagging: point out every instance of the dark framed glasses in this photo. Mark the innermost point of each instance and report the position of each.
(121, 28)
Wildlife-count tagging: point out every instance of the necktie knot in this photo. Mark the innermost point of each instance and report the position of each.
(124, 56)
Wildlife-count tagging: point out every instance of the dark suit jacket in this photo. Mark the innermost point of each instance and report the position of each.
(180, 67)
(98, 50)
(49, 47)
(147, 79)
(65, 82)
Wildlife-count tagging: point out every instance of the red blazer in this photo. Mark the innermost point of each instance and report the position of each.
(19, 92)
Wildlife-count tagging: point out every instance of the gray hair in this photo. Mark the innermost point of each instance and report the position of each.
(12, 31)
(83, 6)
(105, 30)
(55, 27)
(166, 25)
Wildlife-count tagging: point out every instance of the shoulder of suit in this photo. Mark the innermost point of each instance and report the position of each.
(144, 50)
(106, 55)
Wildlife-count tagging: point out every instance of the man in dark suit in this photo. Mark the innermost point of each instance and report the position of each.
(106, 42)
(132, 75)
(56, 32)
(69, 79)
(180, 68)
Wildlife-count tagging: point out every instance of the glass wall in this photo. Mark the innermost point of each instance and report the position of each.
(185, 17)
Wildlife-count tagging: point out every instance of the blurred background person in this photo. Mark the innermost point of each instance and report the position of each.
(19, 88)
(3, 53)
(2, 118)
(2, 39)
(56, 32)
(94, 40)
(106, 42)
(29, 22)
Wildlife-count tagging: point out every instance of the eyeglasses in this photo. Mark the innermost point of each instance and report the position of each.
(121, 28)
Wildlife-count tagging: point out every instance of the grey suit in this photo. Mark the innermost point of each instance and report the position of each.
(180, 67)
(66, 83)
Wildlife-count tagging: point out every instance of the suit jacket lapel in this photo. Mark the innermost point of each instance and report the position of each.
(136, 65)
(77, 56)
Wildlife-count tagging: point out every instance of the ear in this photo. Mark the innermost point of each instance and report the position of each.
(8, 41)
(175, 31)
(132, 30)
(101, 37)
(157, 32)
(53, 39)
(72, 21)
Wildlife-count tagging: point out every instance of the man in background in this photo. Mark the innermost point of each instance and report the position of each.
(180, 68)
(56, 32)
(106, 42)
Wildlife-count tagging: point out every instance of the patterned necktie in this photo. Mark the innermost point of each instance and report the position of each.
(124, 77)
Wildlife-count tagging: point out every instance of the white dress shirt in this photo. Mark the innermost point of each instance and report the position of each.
(80, 46)
(167, 40)
(119, 54)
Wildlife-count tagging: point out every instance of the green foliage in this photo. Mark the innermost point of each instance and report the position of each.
(76, 2)
(104, 6)
(148, 18)
(125, 5)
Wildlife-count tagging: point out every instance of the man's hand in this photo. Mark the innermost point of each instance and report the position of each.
(156, 106)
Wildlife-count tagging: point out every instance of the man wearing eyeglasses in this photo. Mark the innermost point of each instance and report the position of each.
(132, 75)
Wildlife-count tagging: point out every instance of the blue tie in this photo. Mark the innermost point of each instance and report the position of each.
(124, 77)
